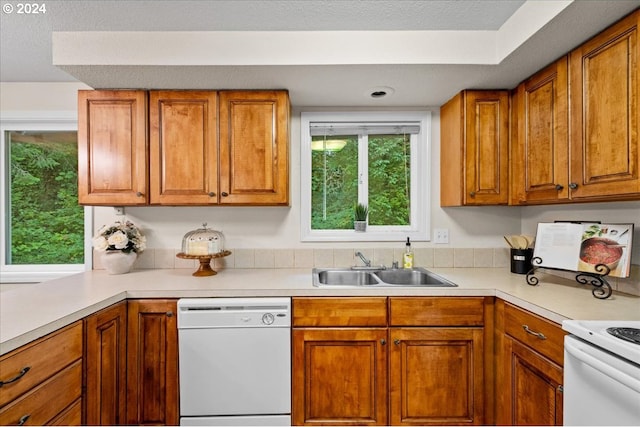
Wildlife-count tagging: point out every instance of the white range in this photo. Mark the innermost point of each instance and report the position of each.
(602, 373)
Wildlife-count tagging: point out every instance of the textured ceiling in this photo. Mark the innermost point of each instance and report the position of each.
(26, 48)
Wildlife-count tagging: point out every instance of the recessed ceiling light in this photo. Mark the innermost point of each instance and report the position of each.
(380, 92)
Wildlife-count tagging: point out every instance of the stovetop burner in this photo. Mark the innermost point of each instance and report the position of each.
(627, 334)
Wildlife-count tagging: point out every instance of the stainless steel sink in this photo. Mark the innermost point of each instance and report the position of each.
(411, 277)
(346, 277)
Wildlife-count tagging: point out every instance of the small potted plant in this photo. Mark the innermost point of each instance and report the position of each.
(361, 211)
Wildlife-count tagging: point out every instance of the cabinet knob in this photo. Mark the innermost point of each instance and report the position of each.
(472, 194)
(559, 187)
(383, 341)
(396, 342)
(211, 194)
(224, 194)
(573, 185)
(23, 419)
(169, 313)
(139, 194)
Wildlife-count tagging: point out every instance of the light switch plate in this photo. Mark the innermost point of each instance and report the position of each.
(440, 235)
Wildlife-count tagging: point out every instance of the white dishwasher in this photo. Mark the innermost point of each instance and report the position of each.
(235, 361)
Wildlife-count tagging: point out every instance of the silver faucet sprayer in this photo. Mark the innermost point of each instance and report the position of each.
(365, 260)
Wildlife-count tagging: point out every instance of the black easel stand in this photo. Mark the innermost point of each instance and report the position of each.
(601, 288)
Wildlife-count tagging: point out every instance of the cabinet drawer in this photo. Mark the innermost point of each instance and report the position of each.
(540, 334)
(43, 357)
(350, 311)
(46, 401)
(72, 416)
(436, 311)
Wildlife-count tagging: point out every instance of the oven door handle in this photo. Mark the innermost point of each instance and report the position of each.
(596, 364)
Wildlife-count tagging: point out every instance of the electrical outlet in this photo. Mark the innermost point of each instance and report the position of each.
(119, 210)
(440, 235)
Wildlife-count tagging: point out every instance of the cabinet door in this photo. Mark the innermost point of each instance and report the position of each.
(474, 149)
(540, 143)
(105, 365)
(254, 147)
(339, 376)
(183, 148)
(605, 148)
(487, 145)
(535, 393)
(436, 376)
(152, 362)
(112, 148)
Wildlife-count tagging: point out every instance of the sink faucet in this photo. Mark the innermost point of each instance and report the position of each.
(365, 260)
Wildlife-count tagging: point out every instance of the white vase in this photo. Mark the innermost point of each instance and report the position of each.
(118, 262)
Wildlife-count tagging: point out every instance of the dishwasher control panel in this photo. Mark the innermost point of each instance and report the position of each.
(200, 313)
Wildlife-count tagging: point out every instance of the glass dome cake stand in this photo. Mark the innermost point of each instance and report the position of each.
(203, 244)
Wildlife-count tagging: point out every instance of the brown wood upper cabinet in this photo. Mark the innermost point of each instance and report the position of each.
(183, 150)
(183, 163)
(112, 148)
(576, 124)
(254, 147)
(474, 149)
(540, 137)
(605, 120)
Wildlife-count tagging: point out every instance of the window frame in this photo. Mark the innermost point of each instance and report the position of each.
(420, 228)
(29, 273)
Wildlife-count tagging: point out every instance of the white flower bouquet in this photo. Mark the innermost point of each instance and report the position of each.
(121, 236)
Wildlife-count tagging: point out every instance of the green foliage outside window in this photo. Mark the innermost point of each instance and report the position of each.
(334, 182)
(334, 186)
(46, 222)
(389, 179)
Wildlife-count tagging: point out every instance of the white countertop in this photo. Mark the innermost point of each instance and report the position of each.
(30, 311)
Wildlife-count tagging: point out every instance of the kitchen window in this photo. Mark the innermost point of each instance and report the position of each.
(43, 226)
(374, 158)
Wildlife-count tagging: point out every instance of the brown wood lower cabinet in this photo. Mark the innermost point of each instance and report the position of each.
(528, 368)
(535, 393)
(152, 362)
(131, 364)
(340, 376)
(370, 361)
(42, 381)
(105, 365)
(436, 376)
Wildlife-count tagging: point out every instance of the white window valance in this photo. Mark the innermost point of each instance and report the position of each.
(320, 129)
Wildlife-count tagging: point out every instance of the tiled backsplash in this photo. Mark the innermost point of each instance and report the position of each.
(309, 258)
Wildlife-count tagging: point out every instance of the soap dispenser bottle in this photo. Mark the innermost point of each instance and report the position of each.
(407, 257)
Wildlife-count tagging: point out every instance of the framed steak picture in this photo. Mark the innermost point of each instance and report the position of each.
(585, 247)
